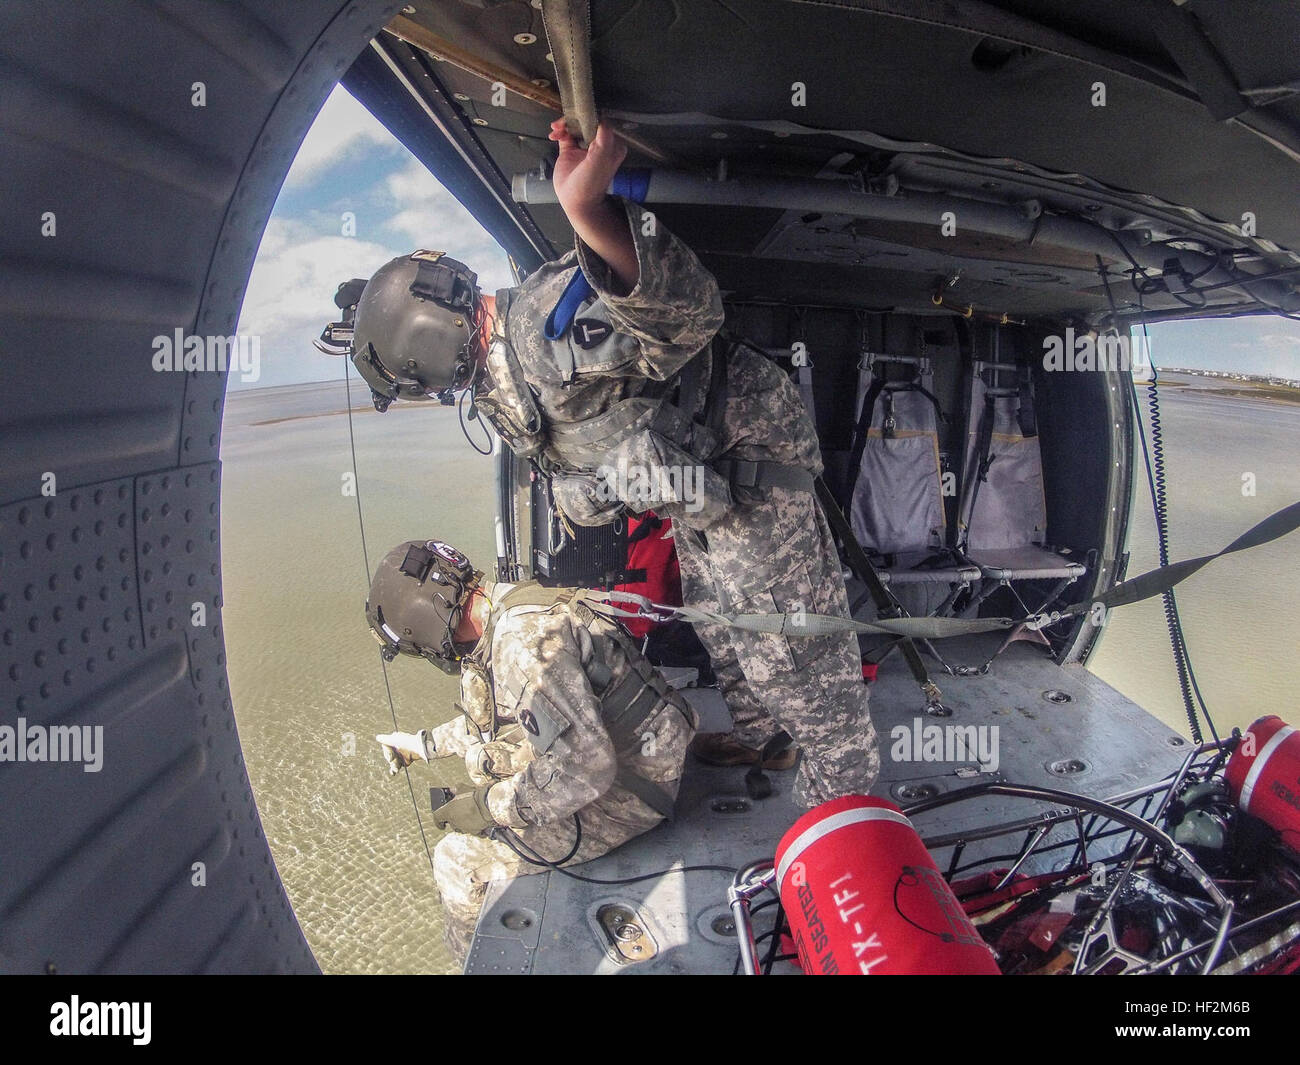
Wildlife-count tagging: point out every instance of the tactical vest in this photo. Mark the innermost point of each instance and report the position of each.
(624, 706)
(684, 413)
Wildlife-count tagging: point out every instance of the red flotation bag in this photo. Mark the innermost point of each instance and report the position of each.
(863, 895)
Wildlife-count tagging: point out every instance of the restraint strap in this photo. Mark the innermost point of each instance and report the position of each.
(860, 432)
(647, 791)
(764, 474)
(1153, 582)
(1164, 578)
(630, 605)
(886, 605)
(983, 460)
(1025, 412)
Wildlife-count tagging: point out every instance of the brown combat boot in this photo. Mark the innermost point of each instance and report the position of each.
(722, 748)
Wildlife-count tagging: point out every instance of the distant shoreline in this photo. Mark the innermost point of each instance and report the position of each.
(1196, 381)
(1256, 388)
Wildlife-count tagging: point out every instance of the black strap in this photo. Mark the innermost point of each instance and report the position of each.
(983, 460)
(886, 605)
(1025, 412)
(715, 403)
(939, 415)
(648, 524)
(688, 386)
(1158, 581)
(647, 791)
(743, 473)
(860, 435)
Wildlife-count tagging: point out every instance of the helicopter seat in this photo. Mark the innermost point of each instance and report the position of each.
(1003, 513)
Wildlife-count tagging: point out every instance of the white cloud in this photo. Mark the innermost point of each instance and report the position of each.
(343, 129)
(1280, 341)
(297, 272)
(428, 216)
(304, 257)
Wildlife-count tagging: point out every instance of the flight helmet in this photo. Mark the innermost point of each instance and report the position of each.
(415, 324)
(416, 599)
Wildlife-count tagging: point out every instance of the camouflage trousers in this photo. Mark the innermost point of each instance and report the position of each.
(464, 865)
(778, 556)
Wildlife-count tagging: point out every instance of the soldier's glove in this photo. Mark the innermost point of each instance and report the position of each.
(403, 748)
(466, 813)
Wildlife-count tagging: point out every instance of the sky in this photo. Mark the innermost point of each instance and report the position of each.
(348, 162)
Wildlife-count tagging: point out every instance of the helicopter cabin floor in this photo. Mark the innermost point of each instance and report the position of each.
(1096, 742)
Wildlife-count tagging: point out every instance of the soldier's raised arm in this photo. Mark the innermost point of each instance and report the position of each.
(653, 285)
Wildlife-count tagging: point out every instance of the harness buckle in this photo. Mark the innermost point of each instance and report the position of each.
(742, 473)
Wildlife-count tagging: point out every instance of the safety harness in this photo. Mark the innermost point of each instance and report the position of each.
(625, 705)
(685, 409)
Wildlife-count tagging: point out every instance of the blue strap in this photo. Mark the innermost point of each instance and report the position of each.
(631, 184)
(575, 294)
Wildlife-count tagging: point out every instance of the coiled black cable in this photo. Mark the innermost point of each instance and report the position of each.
(1154, 458)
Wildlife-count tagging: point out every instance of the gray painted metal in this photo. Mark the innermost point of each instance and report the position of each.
(1118, 743)
(1017, 222)
(159, 208)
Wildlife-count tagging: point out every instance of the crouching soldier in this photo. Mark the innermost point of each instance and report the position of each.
(575, 742)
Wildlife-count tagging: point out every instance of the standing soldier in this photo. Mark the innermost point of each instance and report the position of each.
(575, 742)
(605, 367)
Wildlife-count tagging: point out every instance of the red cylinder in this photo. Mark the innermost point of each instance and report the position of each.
(863, 895)
(1263, 775)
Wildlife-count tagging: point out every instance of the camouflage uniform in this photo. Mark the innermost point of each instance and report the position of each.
(754, 550)
(542, 743)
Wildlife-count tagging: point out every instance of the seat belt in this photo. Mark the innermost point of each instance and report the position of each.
(887, 606)
(1025, 412)
(984, 459)
(859, 445)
